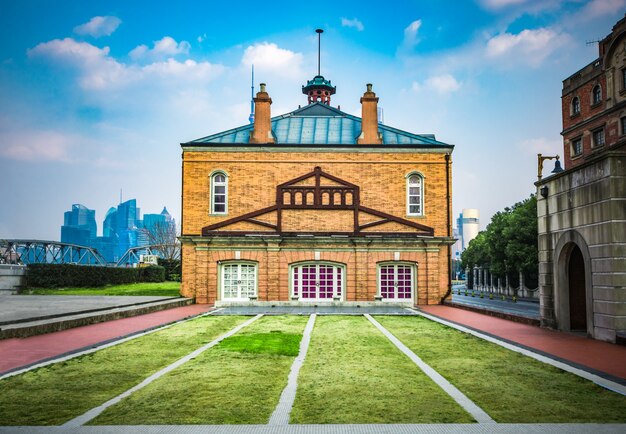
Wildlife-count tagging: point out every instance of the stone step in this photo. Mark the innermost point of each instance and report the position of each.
(76, 319)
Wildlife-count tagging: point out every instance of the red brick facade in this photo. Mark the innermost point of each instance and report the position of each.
(606, 117)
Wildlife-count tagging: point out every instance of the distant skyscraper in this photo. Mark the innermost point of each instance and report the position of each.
(122, 228)
(79, 226)
(468, 225)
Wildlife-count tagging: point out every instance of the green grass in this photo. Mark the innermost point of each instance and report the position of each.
(353, 374)
(56, 393)
(227, 384)
(511, 387)
(277, 343)
(165, 289)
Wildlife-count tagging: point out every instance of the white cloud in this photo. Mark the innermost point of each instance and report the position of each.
(499, 4)
(442, 84)
(527, 47)
(268, 57)
(410, 35)
(353, 23)
(201, 38)
(97, 70)
(163, 48)
(39, 146)
(98, 26)
(598, 8)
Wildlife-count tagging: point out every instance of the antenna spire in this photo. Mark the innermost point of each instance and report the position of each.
(319, 46)
(251, 118)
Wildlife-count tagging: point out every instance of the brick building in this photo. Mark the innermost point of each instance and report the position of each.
(582, 210)
(316, 206)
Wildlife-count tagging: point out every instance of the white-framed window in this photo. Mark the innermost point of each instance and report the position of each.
(238, 280)
(317, 281)
(414, 194)
(596, 95)
(576, 146)
(597, 137)
(396, 281)
(219, 193)
(575, 106)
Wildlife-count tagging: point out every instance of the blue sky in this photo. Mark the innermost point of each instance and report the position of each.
(96, 96)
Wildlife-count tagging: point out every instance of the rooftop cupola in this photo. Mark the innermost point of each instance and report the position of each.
(319, 89)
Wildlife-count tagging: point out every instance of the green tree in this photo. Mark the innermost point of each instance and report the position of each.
(508, 244)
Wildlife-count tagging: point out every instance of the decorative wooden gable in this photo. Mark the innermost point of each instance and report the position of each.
(301, 208)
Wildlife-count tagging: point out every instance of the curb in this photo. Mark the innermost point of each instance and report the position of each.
(496, 313)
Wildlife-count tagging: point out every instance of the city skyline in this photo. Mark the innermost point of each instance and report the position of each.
(97, 97)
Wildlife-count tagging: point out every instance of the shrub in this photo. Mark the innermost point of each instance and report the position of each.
(70, 275)
(154, 273)
(172, 268)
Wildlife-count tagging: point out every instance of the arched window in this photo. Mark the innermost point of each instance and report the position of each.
(219, 193)
(575, 106)
(414, 194)
(596, 95)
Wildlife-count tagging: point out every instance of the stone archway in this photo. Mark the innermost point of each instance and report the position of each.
(573, 292)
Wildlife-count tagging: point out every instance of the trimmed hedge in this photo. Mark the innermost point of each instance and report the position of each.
(70, 275)
(172, 268)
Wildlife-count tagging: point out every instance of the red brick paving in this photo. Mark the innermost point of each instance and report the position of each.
(15, 353)
(601, 356)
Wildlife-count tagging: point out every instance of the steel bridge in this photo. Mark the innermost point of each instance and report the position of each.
(132, 255)
(24, 252)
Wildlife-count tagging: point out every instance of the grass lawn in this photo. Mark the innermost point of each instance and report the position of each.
(166, 289)
(353, 374)
(236, 382)
(511, 387)
(57, 393)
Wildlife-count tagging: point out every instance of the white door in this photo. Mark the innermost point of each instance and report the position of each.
(238, 282)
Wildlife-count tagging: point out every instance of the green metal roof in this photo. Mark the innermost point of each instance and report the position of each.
(318, 124)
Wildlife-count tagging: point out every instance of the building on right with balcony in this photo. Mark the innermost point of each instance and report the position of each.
(582, 210)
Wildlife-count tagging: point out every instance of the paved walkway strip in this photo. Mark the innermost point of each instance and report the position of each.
(477, 413)
(91, 414)
(103, 346)
(603, 382)
(281, 414)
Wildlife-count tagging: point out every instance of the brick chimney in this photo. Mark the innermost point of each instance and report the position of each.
(262, 132)
(369, 119)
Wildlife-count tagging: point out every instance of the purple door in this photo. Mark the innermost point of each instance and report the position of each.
(396, 282)
(317, 282)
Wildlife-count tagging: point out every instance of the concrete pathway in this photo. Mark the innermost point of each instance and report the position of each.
(19, 353)
(281, 413)
(470, 406)
(590, 354)
(26, 308)
(94, 412)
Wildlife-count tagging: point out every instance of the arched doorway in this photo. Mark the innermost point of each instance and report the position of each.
(577, 294)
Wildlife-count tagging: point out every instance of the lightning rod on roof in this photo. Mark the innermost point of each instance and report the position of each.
(319, 45)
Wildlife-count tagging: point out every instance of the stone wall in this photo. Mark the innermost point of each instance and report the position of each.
(585, 207)
(12, 277)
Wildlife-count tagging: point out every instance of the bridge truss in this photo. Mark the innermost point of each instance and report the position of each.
(24, 252)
